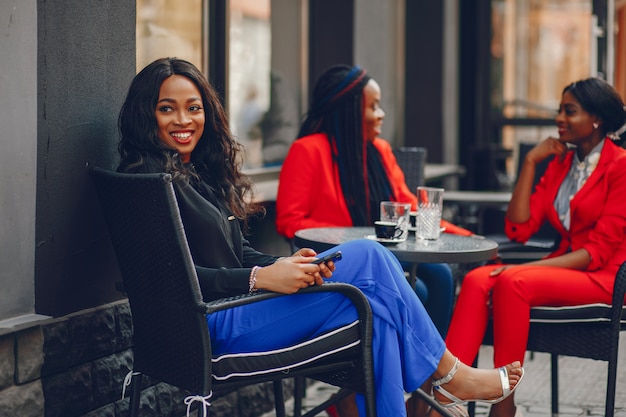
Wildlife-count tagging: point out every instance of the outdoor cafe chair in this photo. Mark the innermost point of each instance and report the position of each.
(412, 161)
(588, 331)
(171, 340)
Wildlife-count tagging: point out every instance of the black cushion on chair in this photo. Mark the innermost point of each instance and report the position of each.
(332, 344)
(588, 313)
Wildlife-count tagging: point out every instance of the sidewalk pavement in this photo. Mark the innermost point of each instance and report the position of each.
(582, 387)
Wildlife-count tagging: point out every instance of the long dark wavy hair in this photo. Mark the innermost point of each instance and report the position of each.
(215, 158)
(600, 99)
(337, 110)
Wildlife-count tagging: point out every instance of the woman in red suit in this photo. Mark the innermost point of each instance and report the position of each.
(582, 195)
(339, 170)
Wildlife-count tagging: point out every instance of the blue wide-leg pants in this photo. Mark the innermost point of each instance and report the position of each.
(406, 345)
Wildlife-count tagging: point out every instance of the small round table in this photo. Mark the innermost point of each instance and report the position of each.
(448, 248)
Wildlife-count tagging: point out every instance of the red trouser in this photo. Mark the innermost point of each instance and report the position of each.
(508, 297)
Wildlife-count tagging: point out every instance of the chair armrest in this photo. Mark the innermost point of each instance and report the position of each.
(350, 291)
(354, 294)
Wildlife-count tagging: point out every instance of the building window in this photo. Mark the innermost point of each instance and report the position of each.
(264, 70)
(267, 76)
(620, 48)
(169, 28)
(250, 43)
(537, 48)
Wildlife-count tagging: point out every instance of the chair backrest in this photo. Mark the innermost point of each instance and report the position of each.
(412, 161)
(170, 335)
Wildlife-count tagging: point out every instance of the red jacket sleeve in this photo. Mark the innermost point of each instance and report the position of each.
(309, 191)
(540, 200)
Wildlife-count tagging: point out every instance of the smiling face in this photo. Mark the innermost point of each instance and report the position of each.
(180, 115)
(373, 114)
(574, 123)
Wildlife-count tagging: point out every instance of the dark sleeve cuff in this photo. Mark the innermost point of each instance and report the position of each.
(222, 282)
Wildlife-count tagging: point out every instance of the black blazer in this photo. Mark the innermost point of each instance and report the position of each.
(223, 257)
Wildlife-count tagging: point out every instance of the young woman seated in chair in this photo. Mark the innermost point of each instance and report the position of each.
(339, 170)
(172, 121)
(582, 195)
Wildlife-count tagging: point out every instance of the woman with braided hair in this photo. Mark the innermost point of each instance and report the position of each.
(339, 170)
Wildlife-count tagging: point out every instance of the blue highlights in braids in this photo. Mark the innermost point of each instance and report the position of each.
(346, 82)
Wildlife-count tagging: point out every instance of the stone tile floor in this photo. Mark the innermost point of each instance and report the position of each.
(582, 387)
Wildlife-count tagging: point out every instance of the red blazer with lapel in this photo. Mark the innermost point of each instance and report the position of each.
(598, 213)
(310, 194)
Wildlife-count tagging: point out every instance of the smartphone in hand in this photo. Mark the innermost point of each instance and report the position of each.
(335, 256)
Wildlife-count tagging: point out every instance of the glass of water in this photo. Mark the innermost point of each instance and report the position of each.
(429, 208)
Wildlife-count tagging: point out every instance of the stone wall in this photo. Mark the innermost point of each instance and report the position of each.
(74, 366)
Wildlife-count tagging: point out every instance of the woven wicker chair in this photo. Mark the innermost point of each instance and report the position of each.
(585, 331)
(171, 338)
(412, 161)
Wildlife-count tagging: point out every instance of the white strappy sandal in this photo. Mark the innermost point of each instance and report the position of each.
(455, 401)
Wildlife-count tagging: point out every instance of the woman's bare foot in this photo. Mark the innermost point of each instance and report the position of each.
(468, 384)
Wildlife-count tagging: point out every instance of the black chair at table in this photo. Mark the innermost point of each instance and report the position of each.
(412, 161)
(586, 331)
(171, 341)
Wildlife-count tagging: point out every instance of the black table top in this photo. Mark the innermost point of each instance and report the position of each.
(448, 248)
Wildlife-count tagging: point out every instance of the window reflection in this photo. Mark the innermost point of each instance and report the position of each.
(620, 48)
(264, 76)
(169, 28)
(249, 79)
(266, 61)
(538, 47)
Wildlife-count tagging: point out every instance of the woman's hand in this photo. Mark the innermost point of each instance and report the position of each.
(326, 269)
(546, 148)
(288, 275)
(499, 270)
(305, 252)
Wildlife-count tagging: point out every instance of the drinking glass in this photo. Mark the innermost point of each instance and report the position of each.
(429, 208)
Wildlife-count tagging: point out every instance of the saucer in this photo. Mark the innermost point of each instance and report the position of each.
(385, 241)
(414, 229)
